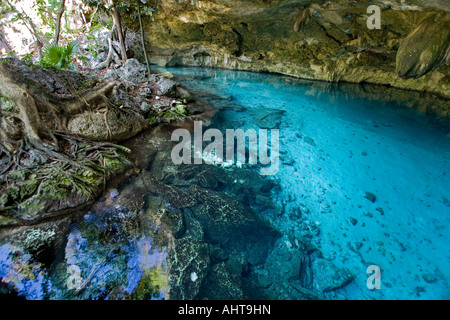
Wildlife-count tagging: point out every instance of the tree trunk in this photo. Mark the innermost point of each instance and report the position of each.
(108, 60)
(58, 21)
(118, 22)
(28, 112)
(143, 40)
(6, 44)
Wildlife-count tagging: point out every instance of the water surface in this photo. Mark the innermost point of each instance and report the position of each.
(336, 146)
(362, 177)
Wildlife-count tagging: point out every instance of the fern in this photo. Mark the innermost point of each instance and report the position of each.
(58, 56)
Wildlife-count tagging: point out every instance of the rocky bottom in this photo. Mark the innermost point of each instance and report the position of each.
(169, 232)
(165, 231)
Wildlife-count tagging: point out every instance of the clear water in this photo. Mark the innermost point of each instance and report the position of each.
(335, 148)
(103, 256)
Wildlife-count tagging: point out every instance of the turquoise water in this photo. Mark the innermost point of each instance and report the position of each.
(335, 147)
(366, 182)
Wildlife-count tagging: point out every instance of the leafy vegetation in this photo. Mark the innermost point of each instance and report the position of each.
(26, 58)
(5, 102)
(59, 56)
(55, 24)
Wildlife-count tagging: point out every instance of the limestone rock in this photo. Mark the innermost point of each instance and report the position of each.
(188, 264)
(222, 284)
(166, 87)
(233, 225)
(325, 41)
(133, 71)
(145, 107)
(267, 118)
(426, 48)
(100, 127)
(328, 277)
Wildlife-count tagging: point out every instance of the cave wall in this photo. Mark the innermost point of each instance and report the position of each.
(324, 40)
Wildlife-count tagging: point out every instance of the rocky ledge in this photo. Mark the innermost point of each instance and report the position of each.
(86, 115)
(321, 40)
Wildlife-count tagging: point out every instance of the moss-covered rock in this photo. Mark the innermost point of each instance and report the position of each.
(233, 225)
(52, 190)
(7, 221)
(152, 281)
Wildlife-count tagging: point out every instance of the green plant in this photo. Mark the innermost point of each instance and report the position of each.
(178, 112)
(153, 120)
(84, 59)
(122, 119)
(5, 102)
(58, 56)
(93, 48)
(12, 53)
(26, 58)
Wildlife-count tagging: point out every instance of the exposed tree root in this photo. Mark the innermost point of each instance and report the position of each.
(109, 58)
(41, 164)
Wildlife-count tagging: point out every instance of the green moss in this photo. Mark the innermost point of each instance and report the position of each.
(18, 175)
(28, 188)
(13, 191)
(6, 221)
(113, 165)
(167, 75)
(186, 97)
(4, 199)
(152, 282)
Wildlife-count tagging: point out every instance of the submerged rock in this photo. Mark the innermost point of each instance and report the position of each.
(370, 196)
(230, 223)
(328, 277)
(222, 284)
(267, 118)
(187, 257)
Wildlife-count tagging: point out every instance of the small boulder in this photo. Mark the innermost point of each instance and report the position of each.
(166, 87)
(328, 277)
(133, 71)
(145, 107)
(188, 260)
(370, 196)
(353, 221)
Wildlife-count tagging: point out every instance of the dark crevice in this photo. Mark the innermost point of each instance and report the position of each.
(240, 42)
